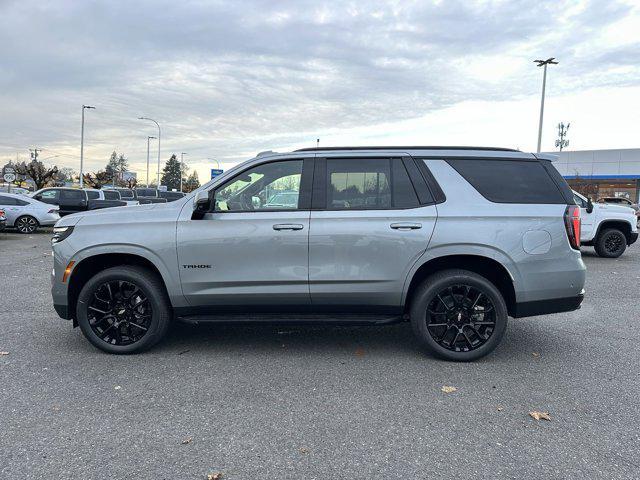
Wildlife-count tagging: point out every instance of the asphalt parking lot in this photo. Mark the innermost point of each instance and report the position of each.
(279, 402)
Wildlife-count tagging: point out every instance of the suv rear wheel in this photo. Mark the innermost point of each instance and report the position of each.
(123, 310)
(458, 315)
(611, 243)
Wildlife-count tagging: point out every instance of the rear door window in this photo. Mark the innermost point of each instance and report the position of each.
(7, 200)
(72, 195)
(93, 195)
(358, 184)
(111, 195)
(510, 181)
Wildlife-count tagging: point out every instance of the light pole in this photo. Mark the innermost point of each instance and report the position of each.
(543, 63)
(148, 138)
(84, 107)
(157, 125)
(181, 160)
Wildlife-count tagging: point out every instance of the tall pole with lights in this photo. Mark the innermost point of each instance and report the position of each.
(148, 138)
(181, 163)
(84, 107)
(159, 133)
(543, 63)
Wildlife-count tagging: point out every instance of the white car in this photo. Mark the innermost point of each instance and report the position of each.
(608, 228)
(26, 214)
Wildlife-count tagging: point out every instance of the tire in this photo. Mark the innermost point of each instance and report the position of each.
(26, 224)
(118, 293)
(467, 315)
(611, 243)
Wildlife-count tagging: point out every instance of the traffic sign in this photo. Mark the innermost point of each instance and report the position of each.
(215, 172)
(9, 177)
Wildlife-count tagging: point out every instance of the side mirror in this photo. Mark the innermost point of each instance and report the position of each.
(201, 205)
(589, 205)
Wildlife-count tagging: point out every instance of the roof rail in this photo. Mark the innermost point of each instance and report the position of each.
(266, 152)
(403, 147)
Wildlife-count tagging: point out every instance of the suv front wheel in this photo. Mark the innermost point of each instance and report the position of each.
(458, 315)
(123, 310)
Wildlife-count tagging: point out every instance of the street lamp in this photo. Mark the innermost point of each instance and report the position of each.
(543, 63)
(157, 125)
(181, 160)
(84, 107)
(148, 138)
(214, 160)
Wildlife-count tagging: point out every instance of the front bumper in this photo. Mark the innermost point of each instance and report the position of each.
(545, 307)
(62, 311)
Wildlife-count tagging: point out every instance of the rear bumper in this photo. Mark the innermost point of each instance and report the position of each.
(633, 237)
(545, 307)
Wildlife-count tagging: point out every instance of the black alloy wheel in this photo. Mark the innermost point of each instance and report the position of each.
(458, 315)
(461, 318)
(26, 224)
(124, 309)
(119, 313)
(611, 243)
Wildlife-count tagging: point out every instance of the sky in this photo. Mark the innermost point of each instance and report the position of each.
(228, 79)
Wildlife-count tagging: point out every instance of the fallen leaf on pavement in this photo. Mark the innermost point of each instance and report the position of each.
(448, 389)
(214, 476)
(535, 354)
(4, 353)
(500, 409)
(117, 387)
(187, 441)
(304, 450)
(540, 415)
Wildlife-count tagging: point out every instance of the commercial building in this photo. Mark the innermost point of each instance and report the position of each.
(602, 173)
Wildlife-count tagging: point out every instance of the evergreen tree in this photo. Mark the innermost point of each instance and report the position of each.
(117, 165)
(171, 173)
(192, 182)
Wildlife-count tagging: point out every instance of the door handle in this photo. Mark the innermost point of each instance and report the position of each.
(288, 226)
(406, 226)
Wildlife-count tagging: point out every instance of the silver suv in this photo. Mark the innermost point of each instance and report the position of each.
(452, 239)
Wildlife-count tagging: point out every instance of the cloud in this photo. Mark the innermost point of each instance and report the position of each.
(227, 79)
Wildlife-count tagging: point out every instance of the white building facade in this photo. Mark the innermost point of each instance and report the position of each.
(602, 173)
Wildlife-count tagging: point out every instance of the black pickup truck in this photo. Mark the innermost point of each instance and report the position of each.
(149, 195)
(73, 200)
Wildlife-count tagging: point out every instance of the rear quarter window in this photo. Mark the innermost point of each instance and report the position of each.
(510, 181)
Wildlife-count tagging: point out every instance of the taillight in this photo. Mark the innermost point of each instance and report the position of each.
(572, 224)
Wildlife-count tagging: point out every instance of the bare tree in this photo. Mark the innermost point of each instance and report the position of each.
(98, 179)
(36, 170)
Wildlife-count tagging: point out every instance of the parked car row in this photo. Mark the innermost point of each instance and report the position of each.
(26, 214)
(43, 208)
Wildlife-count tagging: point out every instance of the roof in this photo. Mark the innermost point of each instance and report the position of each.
(402, 147)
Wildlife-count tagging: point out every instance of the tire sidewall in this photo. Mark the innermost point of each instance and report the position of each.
(602, 251)
(436, 284)
(157, 328)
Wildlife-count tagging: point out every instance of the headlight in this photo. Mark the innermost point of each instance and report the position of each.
(60, 233)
